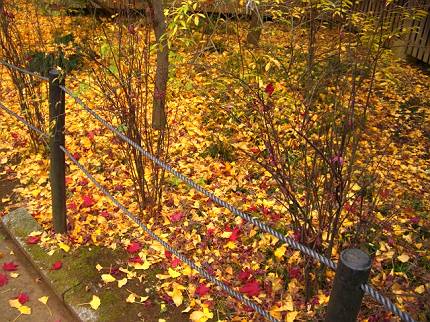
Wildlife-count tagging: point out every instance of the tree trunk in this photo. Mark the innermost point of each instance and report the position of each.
(161, 74)
(255, 28)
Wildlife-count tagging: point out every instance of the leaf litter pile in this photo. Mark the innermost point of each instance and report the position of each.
(252, 262)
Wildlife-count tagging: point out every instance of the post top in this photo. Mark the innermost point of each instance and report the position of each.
(355, 259)
(54, 72)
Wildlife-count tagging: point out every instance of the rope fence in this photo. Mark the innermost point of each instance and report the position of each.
(350, 260)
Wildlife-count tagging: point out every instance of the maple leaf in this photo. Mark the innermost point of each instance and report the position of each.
(176, 216)
(134, 247)
(23, 298)
(57, 265)
(10, 266)
(87, 201)
(202, 290)
(251, 288)
(269, 89)
(3, 279)
(31, 240)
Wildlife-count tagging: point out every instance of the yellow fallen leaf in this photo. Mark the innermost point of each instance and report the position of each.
(177, 296)
(122, 282)
(291, 316)
(64, 247)
(143, 298)
(43, 299)
(199, 316)
(280, 251)
(420, 289)
(173, 273)
(15, 303)
(403, 258)
(107, 278)
(24, 310)
(95, 302)
(14, 275)
(226, 234)
(99, 267)
(131, 298)
(145, 265)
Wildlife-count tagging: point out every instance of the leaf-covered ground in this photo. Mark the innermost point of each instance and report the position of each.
(205, 147)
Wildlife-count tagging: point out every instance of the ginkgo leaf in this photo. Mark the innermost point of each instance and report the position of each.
(279, 252)
(24, 310)
(43, 299)
(95, 302)
(403, 258)
(64, 247)
(15, 303)
(173, 273)
(145, 265)
(131, 298)
(122, 282)
(108, 278)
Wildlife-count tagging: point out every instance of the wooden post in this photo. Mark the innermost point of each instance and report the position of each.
(58, 169)
(345, 299)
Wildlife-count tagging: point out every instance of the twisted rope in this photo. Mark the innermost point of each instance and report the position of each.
(25, 71)
(179, 255)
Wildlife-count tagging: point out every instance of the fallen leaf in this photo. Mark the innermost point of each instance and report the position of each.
(10, 266)
(64, 247)
(202, 290)
(31, 240)
(134, 247)
(14, 303)
(99, 267)
(95, 302)
(3, 279)
(14, 275)
(57, 265)
(43, 299)
(24, 310)
(173, 273)
(251, 288)
(23, 298)
(122, 282)
(131, 298)
(108, 278)
(403, 258)
(280, 251)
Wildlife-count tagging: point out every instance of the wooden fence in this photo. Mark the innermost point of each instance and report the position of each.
(417, 43)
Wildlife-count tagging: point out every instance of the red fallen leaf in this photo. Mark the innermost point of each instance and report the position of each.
(77, 156)
(87, 201)
(72, 205)
(251, 288)
(23, 298)
(3, 279)
(202, 290)
(175, 262)
(57, 265)
(10, 266)
(83, 182)
(31, 240)
(245, 275)
(210, 231)
(90, 135)
(136, 260)
(134, 247)
(255, 150)
(69, 180)
(176, 216)
(269, 89)
(294, 272)
(235, 234)
(168, 254)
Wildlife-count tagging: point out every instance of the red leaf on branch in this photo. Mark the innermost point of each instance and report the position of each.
(31, 240)
(3, 279)
(23, 298)
(251, 288)
(57, 265)
(10, 266)
(134, 247)
(202, 290)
